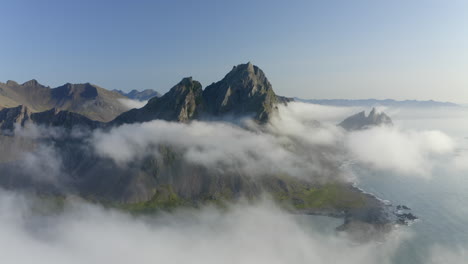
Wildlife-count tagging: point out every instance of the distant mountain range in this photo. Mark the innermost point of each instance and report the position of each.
(86, 99)
(144, 95)
(376, 102)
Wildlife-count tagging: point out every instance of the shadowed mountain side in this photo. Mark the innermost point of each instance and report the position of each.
(10, 118)
(182, 103)
(87, 99)
(243, 91)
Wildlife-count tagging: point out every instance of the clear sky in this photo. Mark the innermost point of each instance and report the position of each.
(404, 49)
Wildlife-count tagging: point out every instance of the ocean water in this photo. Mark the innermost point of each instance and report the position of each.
(439, 200)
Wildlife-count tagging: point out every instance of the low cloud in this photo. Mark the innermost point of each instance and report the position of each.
(215, 145)
(130, 104)
(242, 233)
(456, 255)
(406, 152)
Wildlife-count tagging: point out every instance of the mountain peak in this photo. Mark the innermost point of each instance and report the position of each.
(32, 82)
(182, 103)
(12, 83)
(245, 90)
(69, 90)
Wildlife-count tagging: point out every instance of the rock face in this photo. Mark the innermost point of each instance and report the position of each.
(64, 119)
(361, 121)
(243, 91)
(182, 103)
(140, 95)
(20, 115)
(87, 99)
(11, 117)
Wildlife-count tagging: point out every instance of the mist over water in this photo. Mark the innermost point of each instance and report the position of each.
(438, 199)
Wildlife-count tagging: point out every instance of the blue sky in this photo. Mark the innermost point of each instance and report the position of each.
(311, 49)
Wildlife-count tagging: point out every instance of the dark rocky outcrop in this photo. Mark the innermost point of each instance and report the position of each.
(64, 119)
(243, 91)
(182, 103)
(11, 117)
(361, 121)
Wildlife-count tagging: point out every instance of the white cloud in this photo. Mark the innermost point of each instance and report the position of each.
(406, 152)
(215, 145)
(456, 255)
(244, 233)
(130, 104)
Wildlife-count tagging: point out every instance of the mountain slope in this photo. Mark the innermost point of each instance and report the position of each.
(87, 99)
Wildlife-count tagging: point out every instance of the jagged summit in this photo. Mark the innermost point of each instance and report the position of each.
(32, 82)
(182, 103)
(361, 121)
(244, 90)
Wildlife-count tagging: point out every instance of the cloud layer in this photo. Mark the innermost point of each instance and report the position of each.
(244, 233)
(406, 152)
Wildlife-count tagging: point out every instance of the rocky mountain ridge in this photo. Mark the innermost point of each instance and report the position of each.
(244, 91)
(87, 99)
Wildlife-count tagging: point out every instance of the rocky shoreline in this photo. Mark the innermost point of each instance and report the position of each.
(371, 221)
